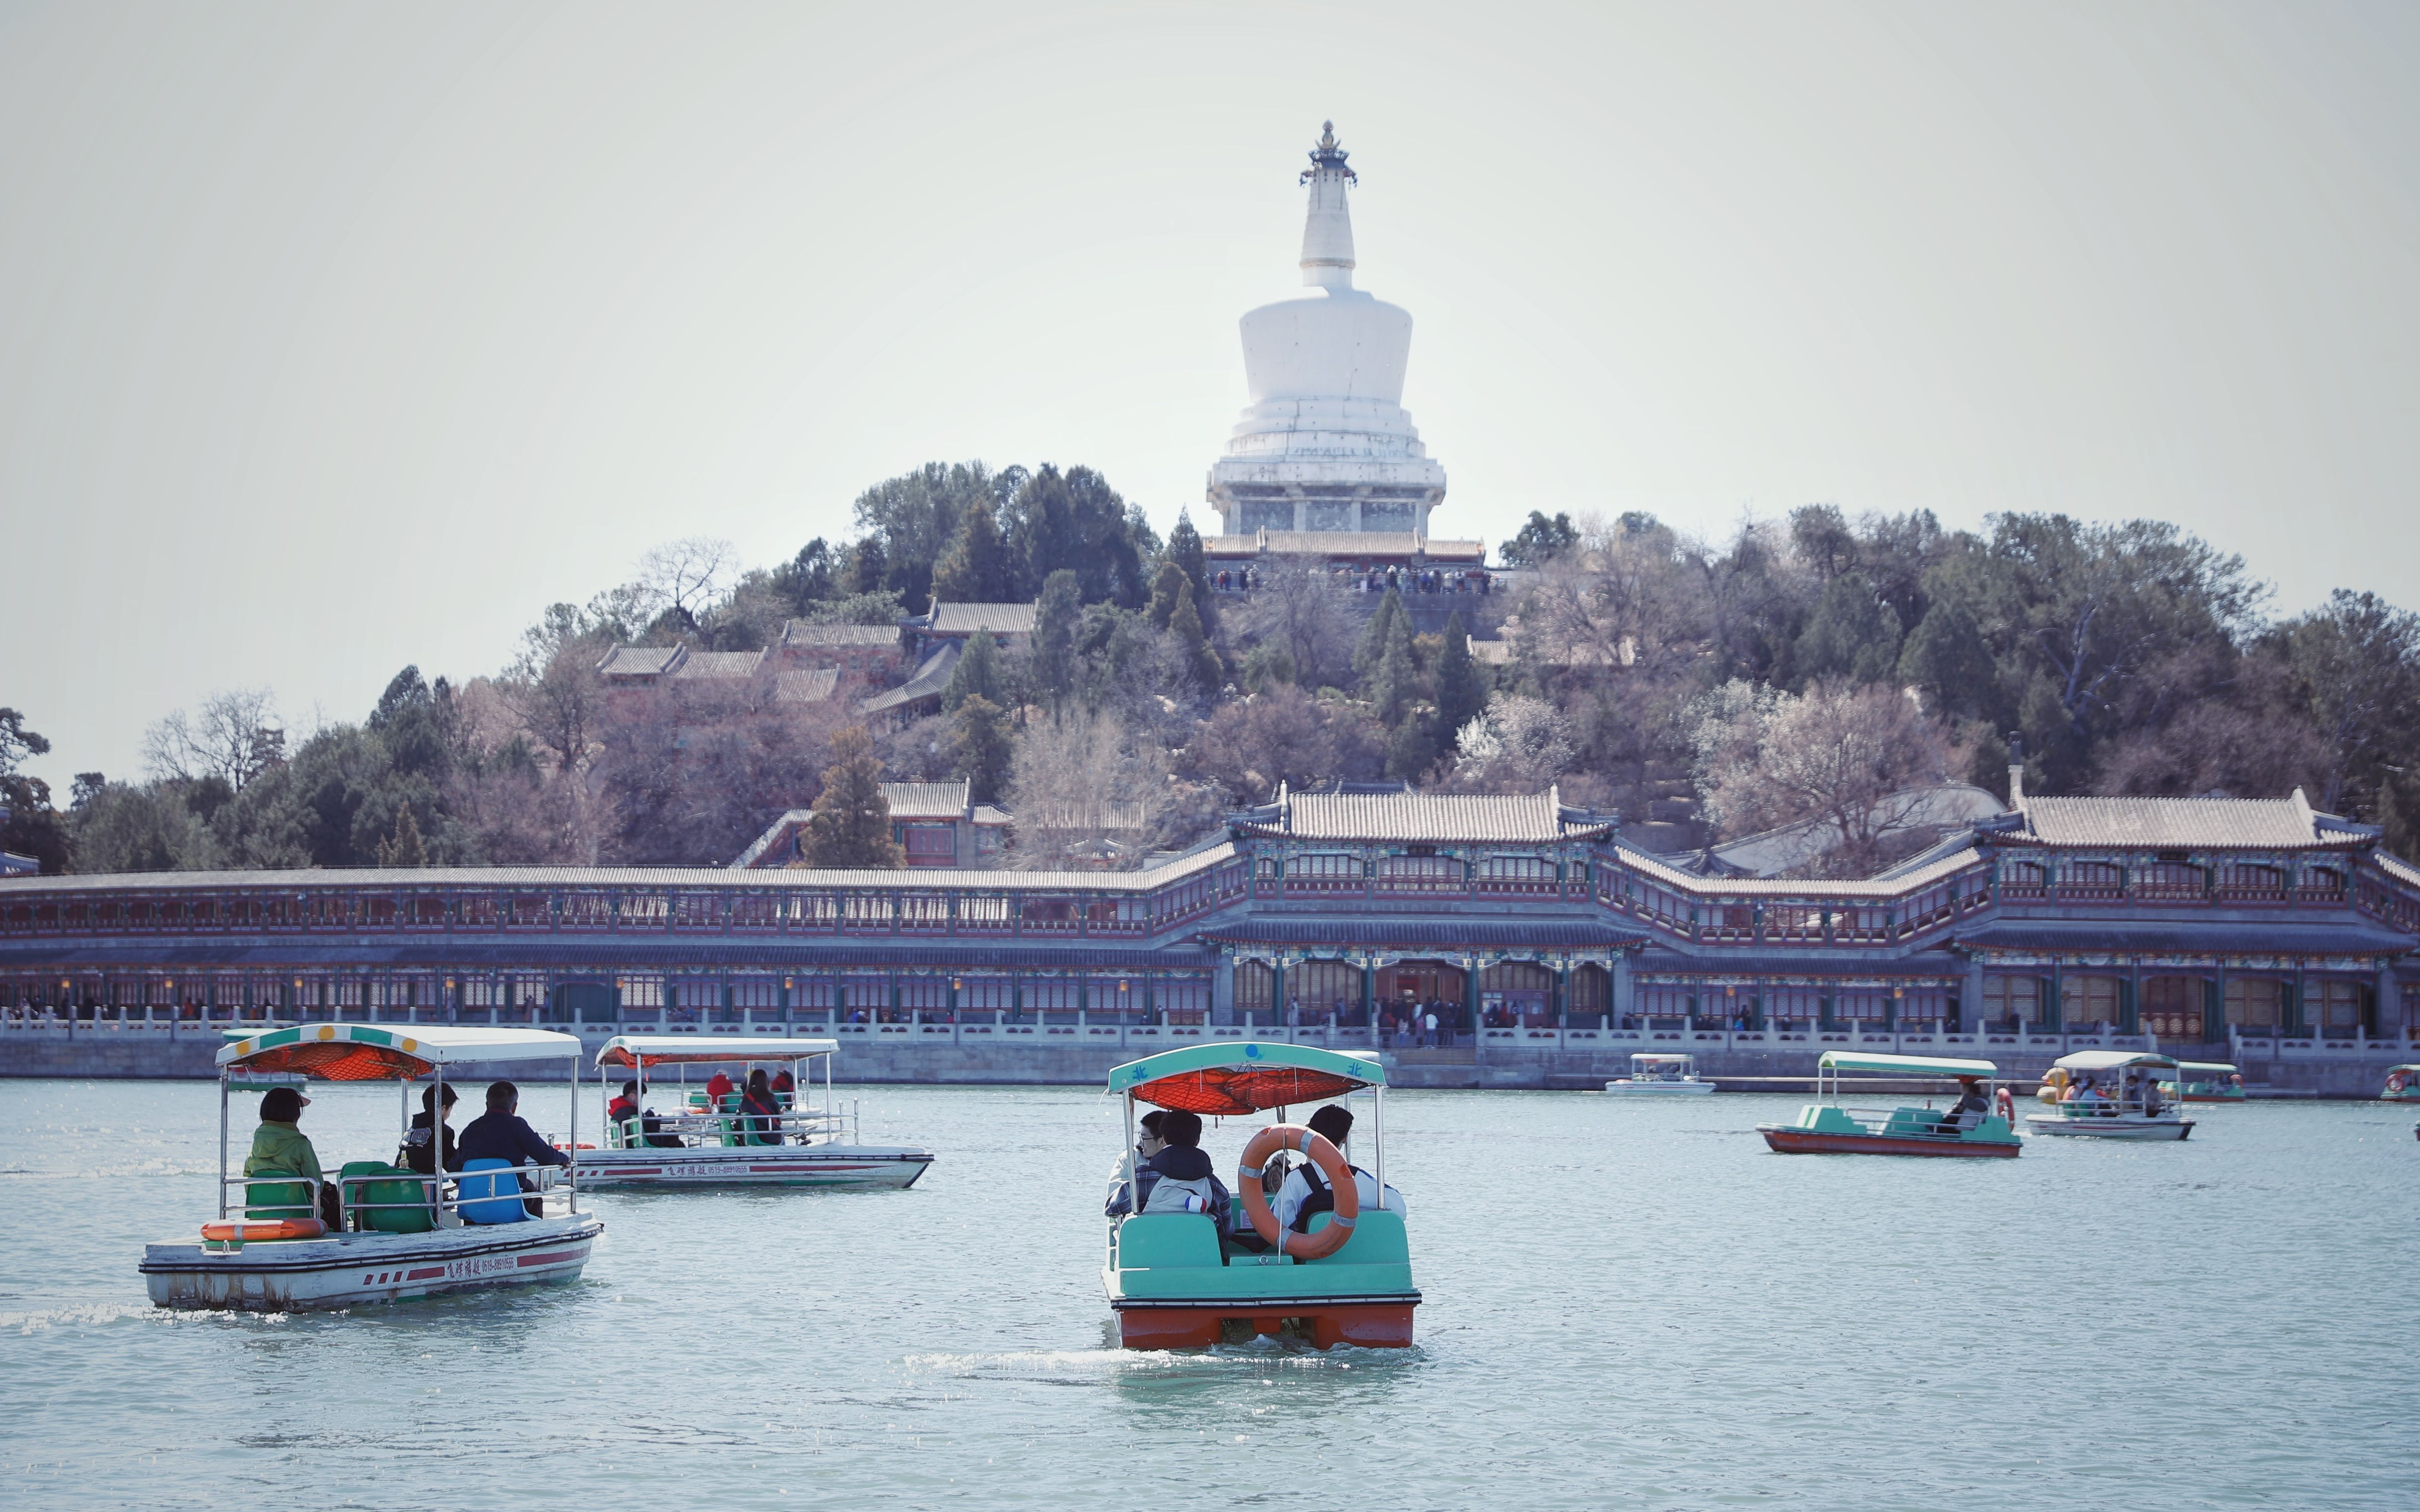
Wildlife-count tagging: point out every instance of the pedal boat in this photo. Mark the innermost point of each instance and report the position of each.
(1829, 1129)
(2140, 1118)
(2402, 1085)
(810, 1144)
(1173, 1282)
(2204, 1081)
(1653, 1075)
(407, 1235)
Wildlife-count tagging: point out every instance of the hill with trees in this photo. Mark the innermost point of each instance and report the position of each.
(1789, 668)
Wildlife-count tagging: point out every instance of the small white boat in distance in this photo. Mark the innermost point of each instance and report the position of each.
(400, 1233)
(1653, 1075)
(702, 1141)
(2118, 1097)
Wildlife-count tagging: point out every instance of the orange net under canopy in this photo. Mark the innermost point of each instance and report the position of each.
(338, 1061)
(1231, 1091)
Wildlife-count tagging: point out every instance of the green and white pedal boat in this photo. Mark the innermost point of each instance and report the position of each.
(403, 1234)
(2204, 1081)
(1829, 1129)
(809, 1143)
(1175, 1282)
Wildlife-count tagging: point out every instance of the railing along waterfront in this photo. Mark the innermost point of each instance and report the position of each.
(969, 1028)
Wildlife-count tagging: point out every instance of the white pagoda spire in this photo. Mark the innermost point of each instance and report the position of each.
(1325, 444)
(1328, 229)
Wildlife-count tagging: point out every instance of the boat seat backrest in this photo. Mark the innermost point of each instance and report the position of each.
(1158, 1241)
(484, 1185)
(274, 1194)
(395, 1207)
(1378, 1239)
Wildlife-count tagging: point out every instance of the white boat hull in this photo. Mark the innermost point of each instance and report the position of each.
(2129, 1126)
(1626, 1087)
(840, 1166)
(346, 1269)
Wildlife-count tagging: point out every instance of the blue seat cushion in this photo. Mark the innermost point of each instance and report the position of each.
(484, 1185)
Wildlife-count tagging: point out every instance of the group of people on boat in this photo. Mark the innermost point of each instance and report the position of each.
(1174, 1175)
(761, 1102)
(2086, 1095)
(280, 1149)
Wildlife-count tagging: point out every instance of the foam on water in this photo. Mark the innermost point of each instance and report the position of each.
(1626, 1302)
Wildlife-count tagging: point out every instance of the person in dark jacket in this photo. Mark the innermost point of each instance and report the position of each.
(420, 1153)
(761, 1116)
(1177, 1178)
(501, 1134)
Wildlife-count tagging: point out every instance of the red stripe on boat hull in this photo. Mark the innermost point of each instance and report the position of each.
(1804, 1142)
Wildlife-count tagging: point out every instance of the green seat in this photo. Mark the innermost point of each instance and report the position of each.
(1378, 1239)
(273, 1194)
(1161, 1241)
(377, 1210)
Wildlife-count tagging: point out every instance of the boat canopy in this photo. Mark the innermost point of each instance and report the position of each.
(1231, 1077)
(2114, 1059)
(2219, 1066)
(1646, 1059)
(366, 1053)
(633, 1050)
(1906, 1065)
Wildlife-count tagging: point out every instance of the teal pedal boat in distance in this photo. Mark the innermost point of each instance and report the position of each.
(1964, 1130)
(1176, 1281)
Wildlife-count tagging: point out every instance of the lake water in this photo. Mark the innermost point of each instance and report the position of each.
(1626, 1303)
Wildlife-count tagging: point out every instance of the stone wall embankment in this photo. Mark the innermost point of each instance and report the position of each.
(119, 1054)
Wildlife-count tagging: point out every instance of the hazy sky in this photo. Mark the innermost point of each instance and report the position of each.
(335, 337)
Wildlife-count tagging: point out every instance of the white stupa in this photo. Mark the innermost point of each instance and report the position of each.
(1326, 445)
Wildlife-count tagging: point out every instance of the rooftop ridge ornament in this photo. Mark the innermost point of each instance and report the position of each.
(1329, 153)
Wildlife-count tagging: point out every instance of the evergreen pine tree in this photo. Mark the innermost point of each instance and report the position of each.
(851, 824)
(1185, 549)
(975, 570)
(1460, 696)
(981, 743)
(867, 565)
(1852, 635)
(1394, 681)
(1411, 748)
(1186, 626)
(406, 847)
(1055, 621)
(1373, 644)
(976, 676)
(1164, 589)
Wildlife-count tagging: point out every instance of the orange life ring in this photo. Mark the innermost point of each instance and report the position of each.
(2394, 1082)
(258, 1230)
(2005, 1103)
(1330, 1161)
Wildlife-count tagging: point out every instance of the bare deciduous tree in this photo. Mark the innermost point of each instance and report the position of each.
(1298, 604)
(234, 735)
(1082, 793)
(685, 575)
(1852, 760)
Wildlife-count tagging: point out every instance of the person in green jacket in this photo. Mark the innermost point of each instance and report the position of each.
(278, 1147)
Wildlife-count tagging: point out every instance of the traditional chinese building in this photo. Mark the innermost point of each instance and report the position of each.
(2260, 926)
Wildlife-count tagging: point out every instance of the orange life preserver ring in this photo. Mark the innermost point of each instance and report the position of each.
(2004, 1102)
(1330, 1161)
(2394, 1082)
(258, 1229)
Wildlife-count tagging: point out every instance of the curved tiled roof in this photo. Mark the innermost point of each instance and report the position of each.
(1426, 817)
(2174, 823)
(966, 619)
